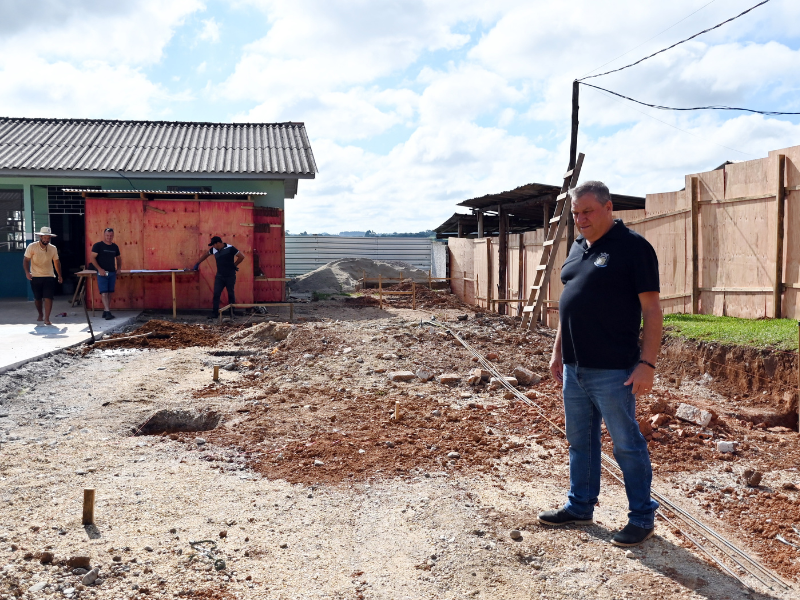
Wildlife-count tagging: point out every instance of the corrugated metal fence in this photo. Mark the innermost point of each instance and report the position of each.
(305, 253)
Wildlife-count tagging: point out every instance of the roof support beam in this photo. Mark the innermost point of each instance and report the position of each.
(480, 223)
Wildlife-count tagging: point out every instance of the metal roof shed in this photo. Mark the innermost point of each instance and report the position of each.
(55, 166)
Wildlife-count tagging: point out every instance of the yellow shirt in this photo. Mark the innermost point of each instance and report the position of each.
(41, 259)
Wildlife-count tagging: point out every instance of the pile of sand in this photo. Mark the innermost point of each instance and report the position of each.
(342, 275)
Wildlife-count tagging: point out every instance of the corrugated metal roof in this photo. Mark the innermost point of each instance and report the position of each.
(162, 192)
(155, 147)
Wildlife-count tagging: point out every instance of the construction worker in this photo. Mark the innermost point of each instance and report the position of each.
(38, 264)
(228, 260)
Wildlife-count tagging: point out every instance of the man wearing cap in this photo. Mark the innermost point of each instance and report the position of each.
(106, 260)
(228, 259)
(38, 265)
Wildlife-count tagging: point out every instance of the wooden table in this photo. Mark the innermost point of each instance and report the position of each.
(87, 275)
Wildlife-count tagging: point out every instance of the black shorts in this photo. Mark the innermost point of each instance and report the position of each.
(43, 287)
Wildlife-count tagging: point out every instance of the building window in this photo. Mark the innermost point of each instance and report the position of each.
(189, 188)
(12, 224)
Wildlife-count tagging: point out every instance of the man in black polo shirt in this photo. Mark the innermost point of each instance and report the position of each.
(610, 284)
(228, 259)
(105, 259)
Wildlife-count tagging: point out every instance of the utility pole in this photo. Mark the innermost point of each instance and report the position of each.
(573, 153)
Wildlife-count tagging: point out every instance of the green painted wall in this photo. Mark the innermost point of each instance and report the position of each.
(35, 190)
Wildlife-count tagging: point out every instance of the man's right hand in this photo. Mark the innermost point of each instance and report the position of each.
(29, 276)
(102, 272)
(557, 368)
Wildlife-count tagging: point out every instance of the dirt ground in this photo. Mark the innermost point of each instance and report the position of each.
(310, 488)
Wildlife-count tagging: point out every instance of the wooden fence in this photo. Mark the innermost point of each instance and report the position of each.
(727, 244)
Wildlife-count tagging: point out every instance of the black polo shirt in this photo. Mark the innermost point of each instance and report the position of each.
(599, 308)
(224, 257)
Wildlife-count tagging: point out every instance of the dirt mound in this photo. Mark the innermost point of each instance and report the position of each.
(342, 275)
(166, 335)
(264, 332)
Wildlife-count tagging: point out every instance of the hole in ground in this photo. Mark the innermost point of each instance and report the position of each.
(173, 421)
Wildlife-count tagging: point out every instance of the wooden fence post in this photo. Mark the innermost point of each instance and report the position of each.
(780, 194)
(489, 274)
(380, 291)
(413, 294)
(695, 208)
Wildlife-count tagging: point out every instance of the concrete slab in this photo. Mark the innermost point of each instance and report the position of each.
(24, 340)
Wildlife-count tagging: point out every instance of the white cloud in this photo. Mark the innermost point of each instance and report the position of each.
(415, 186)
(209, 31)
(134, 33)
(87, 58)
(93, 90)
(201, 68)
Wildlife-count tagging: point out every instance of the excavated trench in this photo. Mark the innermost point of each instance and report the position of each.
(175, 421)
(762, 383)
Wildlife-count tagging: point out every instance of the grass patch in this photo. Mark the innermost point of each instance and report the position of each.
(780, 334)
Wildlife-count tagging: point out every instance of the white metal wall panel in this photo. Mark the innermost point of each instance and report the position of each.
(304, 253)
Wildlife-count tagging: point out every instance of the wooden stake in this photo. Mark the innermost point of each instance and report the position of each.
(380, 291)
(174, 298)
(88, 506)
(216, 372)
(397, 410)
(413, 294)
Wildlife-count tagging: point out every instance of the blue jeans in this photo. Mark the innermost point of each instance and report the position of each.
(589, 396)
(106, 283)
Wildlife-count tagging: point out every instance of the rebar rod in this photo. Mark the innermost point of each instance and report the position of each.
(751, 565)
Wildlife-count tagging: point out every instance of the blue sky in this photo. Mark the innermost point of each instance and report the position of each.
(412, 106)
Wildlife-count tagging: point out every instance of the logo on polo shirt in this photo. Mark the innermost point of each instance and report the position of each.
(601, 260)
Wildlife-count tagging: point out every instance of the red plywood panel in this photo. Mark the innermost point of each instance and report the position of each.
(170, 242)
(125, 216)
(234, 223)
(269, 253)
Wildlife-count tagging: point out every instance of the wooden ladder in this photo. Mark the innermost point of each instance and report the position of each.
(555, 229)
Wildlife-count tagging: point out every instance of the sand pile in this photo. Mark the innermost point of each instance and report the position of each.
(343, 274)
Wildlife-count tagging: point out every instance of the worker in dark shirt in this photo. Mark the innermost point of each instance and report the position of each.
(228, 259)
(106, 261)
(611, 285)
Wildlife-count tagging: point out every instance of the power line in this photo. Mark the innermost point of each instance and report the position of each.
(677, 128)
(679, 43)
(649, 39)
(710, 107)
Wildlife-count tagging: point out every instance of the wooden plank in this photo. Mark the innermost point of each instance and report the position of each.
(170, 242)
(780, 204)
(741, 199)
(126, 218)
(222, 219)
(737, 290)
(695, 237)
(660, 216)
